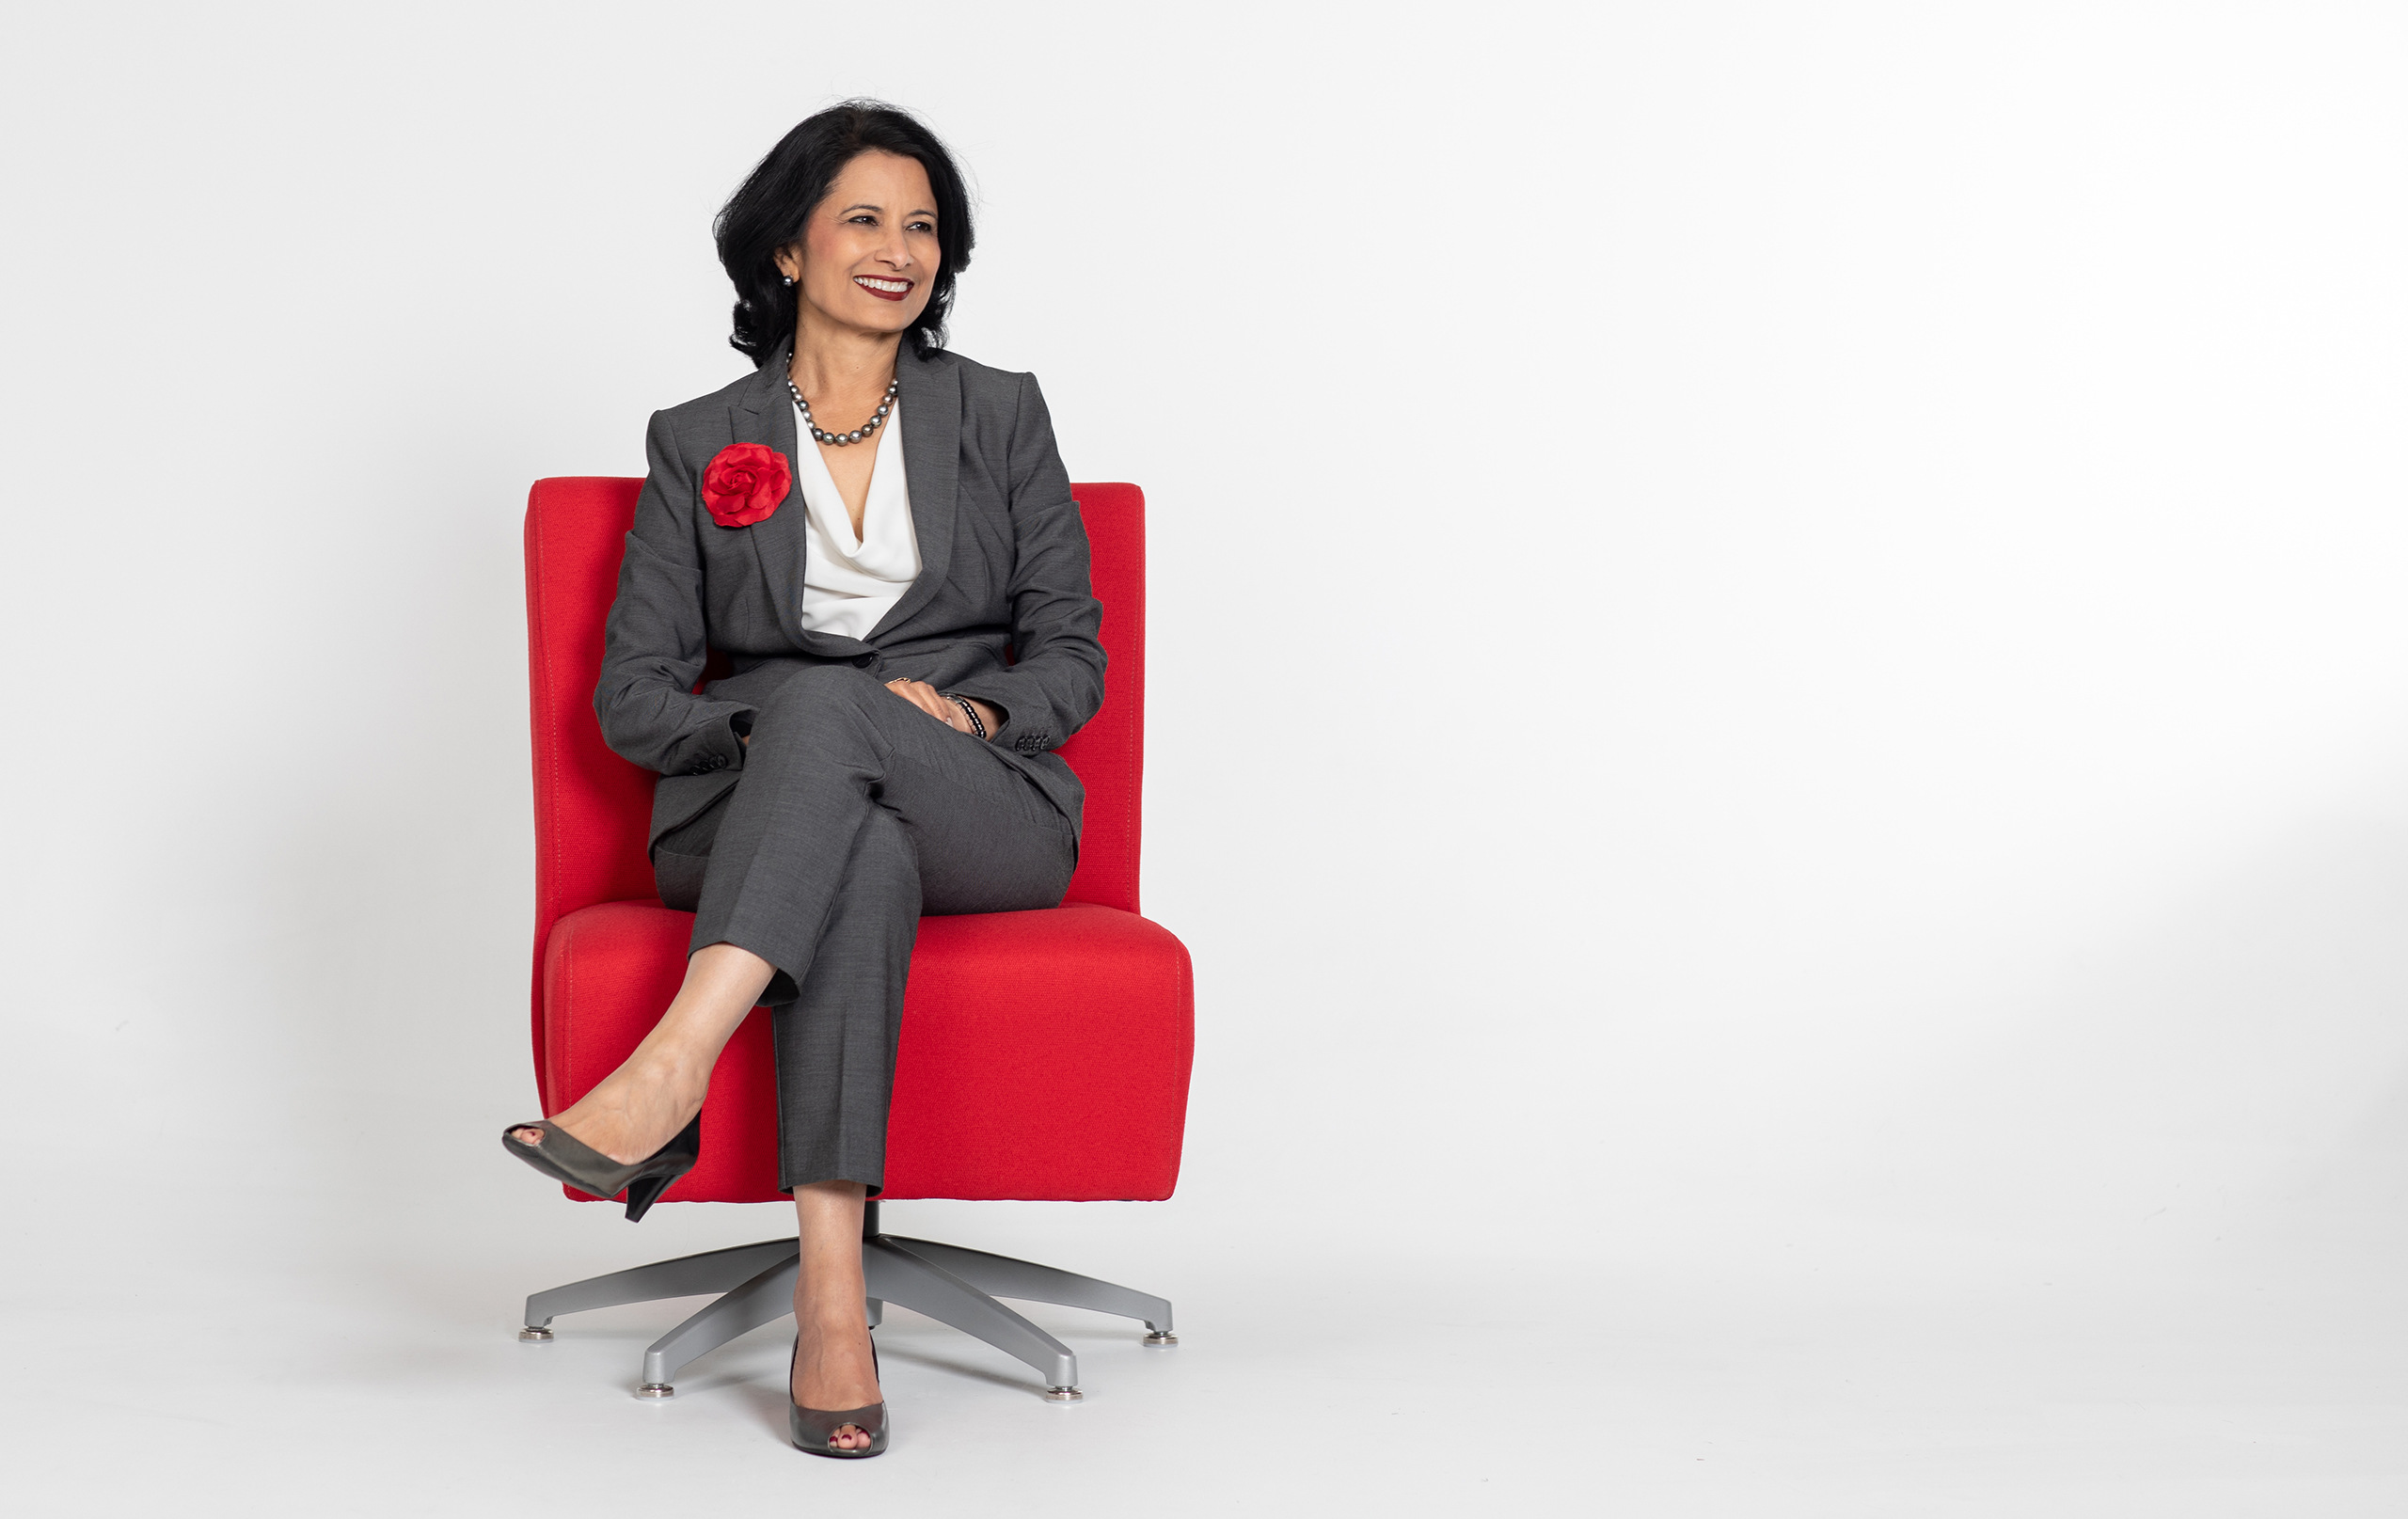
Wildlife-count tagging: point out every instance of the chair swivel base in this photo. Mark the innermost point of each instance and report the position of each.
(946, 1282)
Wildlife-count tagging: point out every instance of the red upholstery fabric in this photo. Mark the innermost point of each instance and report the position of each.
(1045, 1055)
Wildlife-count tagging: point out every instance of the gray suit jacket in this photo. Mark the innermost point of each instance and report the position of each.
(1003, 566)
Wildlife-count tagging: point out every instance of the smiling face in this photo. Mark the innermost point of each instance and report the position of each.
(868, 257)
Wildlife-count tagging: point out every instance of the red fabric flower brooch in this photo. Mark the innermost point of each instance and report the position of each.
(745, 483)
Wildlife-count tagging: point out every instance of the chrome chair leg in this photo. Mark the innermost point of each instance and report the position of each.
(713, 1271)
(898, 1274)
(765, 1296)
(1003, 1277)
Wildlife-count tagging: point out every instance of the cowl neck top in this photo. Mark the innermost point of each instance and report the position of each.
(850, 584)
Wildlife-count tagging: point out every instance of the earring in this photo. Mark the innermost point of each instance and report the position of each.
(789, 281)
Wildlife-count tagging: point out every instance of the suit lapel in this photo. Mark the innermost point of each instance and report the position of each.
(931, 410)
(766, 416)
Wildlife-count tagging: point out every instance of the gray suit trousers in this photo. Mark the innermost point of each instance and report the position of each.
(855, 813)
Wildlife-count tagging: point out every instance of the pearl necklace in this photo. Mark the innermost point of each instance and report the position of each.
(840, 439)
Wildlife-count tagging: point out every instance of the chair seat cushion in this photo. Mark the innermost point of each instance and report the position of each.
(1044, 1054)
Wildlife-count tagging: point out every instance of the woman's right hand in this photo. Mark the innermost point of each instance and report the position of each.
(924, 696)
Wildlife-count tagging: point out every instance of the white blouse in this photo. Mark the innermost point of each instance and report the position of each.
(849, 583)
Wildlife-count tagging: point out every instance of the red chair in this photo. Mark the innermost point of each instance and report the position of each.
(1044, 1054)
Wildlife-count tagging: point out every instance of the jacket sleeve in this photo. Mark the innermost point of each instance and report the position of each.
(656, 641)
(1057, 683)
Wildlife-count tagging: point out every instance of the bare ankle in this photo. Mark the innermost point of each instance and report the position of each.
(839, 1320)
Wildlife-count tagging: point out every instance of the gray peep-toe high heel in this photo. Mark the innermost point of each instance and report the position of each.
(562, 1158)
(810, 1429)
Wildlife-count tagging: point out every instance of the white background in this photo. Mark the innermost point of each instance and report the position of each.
(1778, 718)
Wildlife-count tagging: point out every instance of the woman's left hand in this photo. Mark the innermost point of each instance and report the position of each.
(944, 708)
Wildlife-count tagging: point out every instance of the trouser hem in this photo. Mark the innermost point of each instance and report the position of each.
(787, 962)
(873, 1178)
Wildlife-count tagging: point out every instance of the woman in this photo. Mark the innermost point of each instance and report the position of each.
(880, 535)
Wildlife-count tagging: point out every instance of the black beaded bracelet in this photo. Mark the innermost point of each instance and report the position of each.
(971, 713)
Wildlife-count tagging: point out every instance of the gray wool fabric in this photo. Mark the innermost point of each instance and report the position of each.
(856, 813)
(851, 813)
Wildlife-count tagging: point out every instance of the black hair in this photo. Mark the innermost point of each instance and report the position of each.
(768, 211)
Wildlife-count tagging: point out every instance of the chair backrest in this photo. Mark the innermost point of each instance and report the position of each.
(592, 808)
